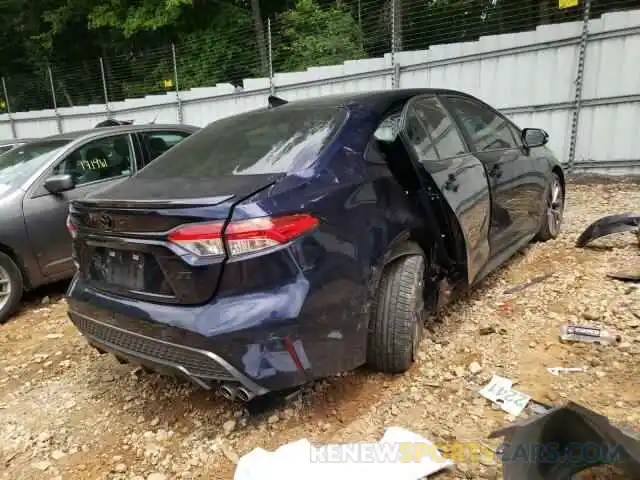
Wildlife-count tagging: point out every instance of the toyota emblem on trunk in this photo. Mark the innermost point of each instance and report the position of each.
(105, 222)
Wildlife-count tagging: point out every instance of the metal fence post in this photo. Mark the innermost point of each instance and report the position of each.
(395, 74)
(6, 100)
(104, 87)
(175, 78)
(582, 54)
(53, 97)
(272, 85)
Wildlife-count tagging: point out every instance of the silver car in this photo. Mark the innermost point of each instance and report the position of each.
(40, 177)
(6, 145)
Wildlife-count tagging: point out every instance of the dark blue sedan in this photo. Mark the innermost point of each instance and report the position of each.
(287, 244)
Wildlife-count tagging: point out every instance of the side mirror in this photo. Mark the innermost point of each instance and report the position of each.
(59, 183)
(388, 130)
(534, 137)
(385, 136)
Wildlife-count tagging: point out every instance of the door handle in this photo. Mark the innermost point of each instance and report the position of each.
(451, 184)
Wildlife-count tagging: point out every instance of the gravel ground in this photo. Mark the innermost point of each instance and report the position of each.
(67, 412)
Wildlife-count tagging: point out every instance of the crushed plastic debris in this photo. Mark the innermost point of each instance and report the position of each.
(625, 222)
(533, 281)
(588, 334)
(538, 408)
(626, 276)
(558, 370)
(590, 439)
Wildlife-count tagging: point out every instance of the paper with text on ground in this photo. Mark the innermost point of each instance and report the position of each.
(499, 390)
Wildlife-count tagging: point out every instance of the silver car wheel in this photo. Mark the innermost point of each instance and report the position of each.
(555, 208)
(5, 287)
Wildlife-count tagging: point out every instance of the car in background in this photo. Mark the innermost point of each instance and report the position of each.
(37, 181)
(288, 244)
(4, 146)
(7, 145)
(112, 122)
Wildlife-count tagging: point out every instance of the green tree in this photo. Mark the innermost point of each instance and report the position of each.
(225, 40)
(132, 17)
(314, 36)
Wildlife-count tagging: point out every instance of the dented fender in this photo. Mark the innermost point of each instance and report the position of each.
(625, 222)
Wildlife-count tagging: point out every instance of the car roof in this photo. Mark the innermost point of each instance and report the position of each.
(98, 132)
(16, 141)
(378, 100)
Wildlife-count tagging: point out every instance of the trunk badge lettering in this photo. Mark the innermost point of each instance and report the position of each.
(100, 220)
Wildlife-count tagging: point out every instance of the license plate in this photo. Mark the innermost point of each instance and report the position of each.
(125, 269)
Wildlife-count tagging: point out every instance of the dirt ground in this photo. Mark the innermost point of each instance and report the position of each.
(68, 413)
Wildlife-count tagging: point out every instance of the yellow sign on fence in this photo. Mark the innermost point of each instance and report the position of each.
(168, 83)
(3, 105)
(568, 3)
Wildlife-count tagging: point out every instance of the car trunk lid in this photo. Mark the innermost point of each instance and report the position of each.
(122, 236)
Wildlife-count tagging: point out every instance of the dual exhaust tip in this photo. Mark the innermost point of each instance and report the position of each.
(233, 393)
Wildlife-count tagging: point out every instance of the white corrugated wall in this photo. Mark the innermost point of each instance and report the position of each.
(530, 75)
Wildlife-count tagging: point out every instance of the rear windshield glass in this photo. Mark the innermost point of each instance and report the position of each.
(262, 142)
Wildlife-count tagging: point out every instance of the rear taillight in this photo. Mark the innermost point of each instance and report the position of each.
(243, 236)
(71, 227)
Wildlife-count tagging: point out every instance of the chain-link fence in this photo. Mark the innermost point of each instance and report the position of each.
(311, 33)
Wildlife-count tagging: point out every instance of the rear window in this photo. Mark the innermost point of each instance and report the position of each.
(263, 142)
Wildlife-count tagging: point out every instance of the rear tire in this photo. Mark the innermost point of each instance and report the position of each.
(397, 320)
(11, 287)
(551, 223)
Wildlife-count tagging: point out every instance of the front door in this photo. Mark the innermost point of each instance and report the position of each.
(508, 167)
(432, 137)
(93, 166)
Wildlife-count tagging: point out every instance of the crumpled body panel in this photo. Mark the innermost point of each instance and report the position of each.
(625, 222)
(565, 441)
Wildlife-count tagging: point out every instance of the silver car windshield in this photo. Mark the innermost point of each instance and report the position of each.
(18, 164)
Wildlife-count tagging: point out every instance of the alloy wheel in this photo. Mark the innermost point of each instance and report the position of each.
(5, 287)
(555, 207)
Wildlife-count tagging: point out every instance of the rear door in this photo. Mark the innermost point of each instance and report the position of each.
(95, 165)
(432, 137)
(509, 169)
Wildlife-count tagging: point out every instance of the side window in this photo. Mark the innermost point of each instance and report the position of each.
(486, 129)
(156, 143)
(445, 140)
(418, 134)
(98, 160)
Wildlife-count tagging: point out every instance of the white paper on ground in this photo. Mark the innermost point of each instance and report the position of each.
(495, 388)
(391, 457)
(499, 390)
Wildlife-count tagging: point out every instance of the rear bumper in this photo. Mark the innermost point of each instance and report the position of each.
(201, 367)
(264, 342)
